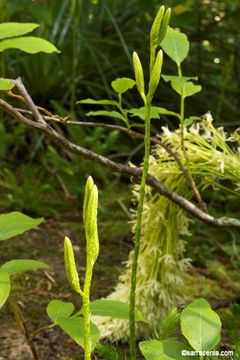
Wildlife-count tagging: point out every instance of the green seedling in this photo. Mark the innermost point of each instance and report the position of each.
(92, 250)
(78, 325)
(157, 35)
(161, 247)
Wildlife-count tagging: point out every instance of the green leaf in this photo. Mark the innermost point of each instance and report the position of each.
(140, 112)
(74, 327)
(186, 88)
(4, 287)
(29, 44)
(97, 102)
(121, 85)
(16, 223)
(163, 350)
(175, 45)
(57, 309)
(178, 78)
(6, 84)
(114, 309)
(17, 266)
(155, 112)
(12, 29)
(112, 114)
(182, 85)
(200, 325)
(190, 120)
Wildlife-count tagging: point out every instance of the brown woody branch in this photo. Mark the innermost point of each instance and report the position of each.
(154, 140)
(135, 172)
(134, 135)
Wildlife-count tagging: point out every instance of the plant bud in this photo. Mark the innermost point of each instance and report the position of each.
(164, 26)
(155, 74)
(156, 27)
(90, 221)
(70, 266)
(88, 188)
(139, 77)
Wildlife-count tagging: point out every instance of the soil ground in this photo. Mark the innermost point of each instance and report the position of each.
(31, 291)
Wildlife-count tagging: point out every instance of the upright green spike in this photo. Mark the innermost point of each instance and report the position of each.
(89, 185)
(164, 26)
(70, 266)
(90, 220)
(156, 27)
(139, 77)
(155, 75)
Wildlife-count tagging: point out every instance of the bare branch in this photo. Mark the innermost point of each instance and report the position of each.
(134, 172)
(135, 135)
(154, 140)
(28, 100)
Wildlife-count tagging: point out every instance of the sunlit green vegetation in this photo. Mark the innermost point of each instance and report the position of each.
(142, 99)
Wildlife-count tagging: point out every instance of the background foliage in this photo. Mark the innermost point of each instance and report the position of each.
(96, 39)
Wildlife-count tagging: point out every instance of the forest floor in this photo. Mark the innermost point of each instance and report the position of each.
(32, 291)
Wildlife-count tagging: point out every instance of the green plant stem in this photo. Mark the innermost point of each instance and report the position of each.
(190, 178)
(181, 112)
(147, 142)
(124, 112)
(86, 312)
(181, 122)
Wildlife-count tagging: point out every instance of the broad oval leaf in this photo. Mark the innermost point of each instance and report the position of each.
(140, 112)
(12, 29)
(6, 84)
(57, 309)
(74, 327)
(5, 287)
(155, 113)
(186, 88)
(200, 325)
(113, 114)
(121, 85)
(163, 350)
(16, 223)
(114, 309)
(20, 265)
(175, 45)
(29, 44)
(178, 78)
(182, 85)
(97, 102)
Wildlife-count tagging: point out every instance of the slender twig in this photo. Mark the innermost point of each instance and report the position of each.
(135, 135)
(22, 326)
(39, 330)
(134, 172)
(28, 100)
